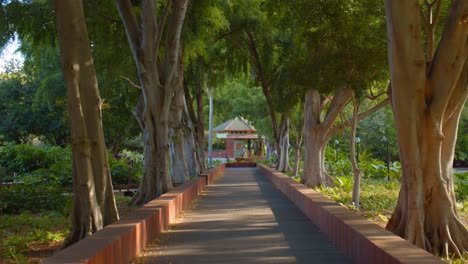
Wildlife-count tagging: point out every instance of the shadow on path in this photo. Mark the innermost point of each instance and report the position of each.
(243, 219)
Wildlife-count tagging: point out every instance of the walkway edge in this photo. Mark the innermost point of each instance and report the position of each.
(359, 239)
(123, 240)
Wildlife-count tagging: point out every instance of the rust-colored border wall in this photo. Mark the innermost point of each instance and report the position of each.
(241, 164)
(123, 240)
(359, 239)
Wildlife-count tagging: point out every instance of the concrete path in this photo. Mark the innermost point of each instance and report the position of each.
(243, 218)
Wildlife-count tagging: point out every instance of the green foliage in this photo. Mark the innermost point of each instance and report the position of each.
(120, 168)
(372, 168)
(28, 111)
(378, 198)
(238, 97)
(25, 158)
(53, 165)
(32, 195)
(345, 183)
(18, 233)
(461, 185)
(372, 130)
(461, 149)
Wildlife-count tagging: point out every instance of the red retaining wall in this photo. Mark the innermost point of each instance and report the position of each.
(241, 164)
(123, 240)
(358, 238)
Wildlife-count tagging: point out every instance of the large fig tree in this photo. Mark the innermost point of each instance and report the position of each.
(429, 89)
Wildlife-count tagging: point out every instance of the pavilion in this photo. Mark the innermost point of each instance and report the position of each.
(241, 138)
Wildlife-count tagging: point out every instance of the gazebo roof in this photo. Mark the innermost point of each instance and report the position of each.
(237, 124)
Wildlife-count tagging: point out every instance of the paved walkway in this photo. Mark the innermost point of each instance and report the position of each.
(243, 218)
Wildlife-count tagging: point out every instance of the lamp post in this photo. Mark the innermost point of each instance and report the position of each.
(357, 149)
(384, 139)
(336, 149)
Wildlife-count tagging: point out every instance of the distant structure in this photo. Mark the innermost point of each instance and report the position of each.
(241, 137)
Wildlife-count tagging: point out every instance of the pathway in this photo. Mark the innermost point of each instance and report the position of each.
(243, 218)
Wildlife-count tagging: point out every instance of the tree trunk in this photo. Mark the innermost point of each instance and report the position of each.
(297, 160)
(427, 100)
(158, 73)
(178, 154)
(210, 125)
(93, 199)
(352, 155)
(195, 155)
(314, 173)
(283, 161)
(195, 136)
(200, 119)
(179, 157)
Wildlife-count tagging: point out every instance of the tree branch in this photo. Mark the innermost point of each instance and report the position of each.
(172, 44)
(149, 30)
(339, 101)
(227, 34)
(438, 10)
(129, 20)
(130, 81)
(459, 94)
(449, 59)
(324, 103)
(265, 88)
(162, 23)
(424, 17)
(101, 14)
(337, 129)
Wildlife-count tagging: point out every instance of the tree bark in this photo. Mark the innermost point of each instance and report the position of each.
(427, 100)
(195, 123)
(93, 199)
(179, 156)
(317, 134)
(283, 161)
(314, 173)
(297, 159)
(157, 71)
(352, 146)
(210, 125)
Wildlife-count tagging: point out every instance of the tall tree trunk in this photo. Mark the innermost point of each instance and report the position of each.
(352, 155)
(194, 152)
(283, 161)
(93, 199)
(196, 129)
(178, 154)
(427, 100)
(179, 157)
(210, 125)
(315, 143)
(297, 160)
(200, 124)
(318, 132)
(158, 73)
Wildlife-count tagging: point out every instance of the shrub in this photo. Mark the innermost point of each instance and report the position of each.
(27, 158)
(33, 197)
(461, 185)
(128, 158)
(54, 164)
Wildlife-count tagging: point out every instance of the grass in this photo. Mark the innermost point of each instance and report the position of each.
(27, 232)
(378, 199)
(29, 238)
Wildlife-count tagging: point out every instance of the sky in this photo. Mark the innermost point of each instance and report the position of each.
(10, 53)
